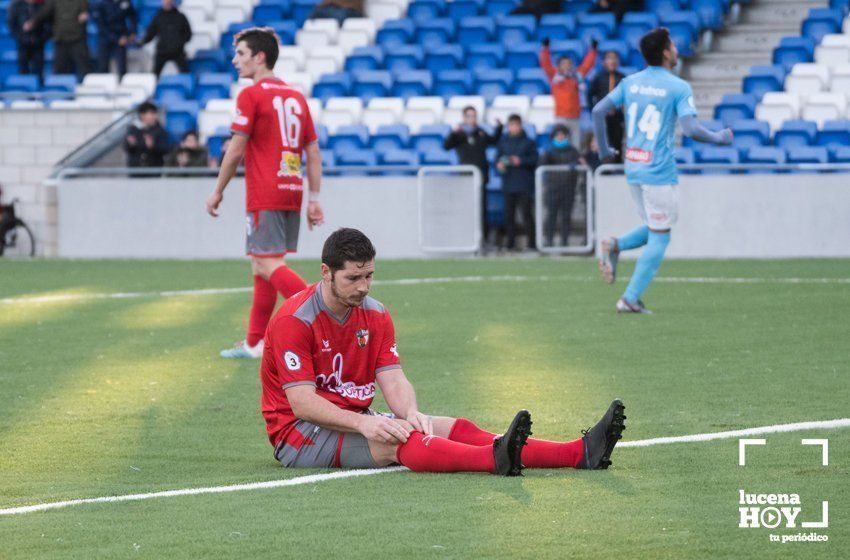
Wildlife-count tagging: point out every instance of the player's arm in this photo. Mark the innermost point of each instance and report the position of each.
(401, 398)
(310, 407)
(599, 113)
(694, 129)
(315, 215)
(229, 165)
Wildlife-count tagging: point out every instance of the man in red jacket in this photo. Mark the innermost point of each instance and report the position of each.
(564, 81)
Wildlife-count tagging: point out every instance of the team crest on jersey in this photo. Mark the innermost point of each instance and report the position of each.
(290, 165)
(362, 338)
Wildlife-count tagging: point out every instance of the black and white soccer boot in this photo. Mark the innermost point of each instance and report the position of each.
(599, 441)
(608, 259)
(507, 449)
(638, 307)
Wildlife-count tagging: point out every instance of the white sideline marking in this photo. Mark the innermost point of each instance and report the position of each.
(417, 281)
(314, 478)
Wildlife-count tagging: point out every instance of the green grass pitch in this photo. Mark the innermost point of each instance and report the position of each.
(103, 397)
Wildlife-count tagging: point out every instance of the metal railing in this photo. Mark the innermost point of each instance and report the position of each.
(554, 206)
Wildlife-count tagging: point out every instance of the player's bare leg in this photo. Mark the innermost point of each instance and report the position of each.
(608, 260)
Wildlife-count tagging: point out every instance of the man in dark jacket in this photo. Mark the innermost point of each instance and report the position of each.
(602, 84)
(68, 18)
(30, 43)
(516, 161)
(146, 142)
(116, 25)
(471, 142)
(559, 186)
(173, 30)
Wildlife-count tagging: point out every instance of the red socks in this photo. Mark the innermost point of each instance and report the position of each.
(435, 454)
(537, 453)
(286, 281)
(262, 308)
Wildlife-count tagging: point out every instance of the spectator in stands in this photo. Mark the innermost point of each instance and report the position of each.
(189, 153)
(516, 160)
(116, 22)
(590, 151)
(601, 85)
(30, 43)
(147, 142)
(68, 19)
(617, 7)
(172, 29)
(471, 142)
(339, 10)
(560, 186)
(538, 8)
(564, 81)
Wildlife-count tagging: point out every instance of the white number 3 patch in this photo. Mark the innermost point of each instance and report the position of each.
(293, 362)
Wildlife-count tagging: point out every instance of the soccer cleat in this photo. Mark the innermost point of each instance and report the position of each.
(599, 441)
(624, 306)
(608, 262)
(242, 350)
(507, 449)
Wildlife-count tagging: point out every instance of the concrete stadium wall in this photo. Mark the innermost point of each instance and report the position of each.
(31, 143)
(743, 216)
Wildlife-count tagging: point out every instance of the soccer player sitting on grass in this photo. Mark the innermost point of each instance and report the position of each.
(326, 349)
(271, 129)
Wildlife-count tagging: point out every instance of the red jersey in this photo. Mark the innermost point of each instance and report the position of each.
(277, 121)
(306, 345)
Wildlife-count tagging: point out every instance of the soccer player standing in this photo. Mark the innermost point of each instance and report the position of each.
(327, 351)
(652, 101)
(272, 128)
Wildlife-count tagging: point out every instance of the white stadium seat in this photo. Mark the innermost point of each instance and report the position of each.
(417, 118)
(453, 116)
(205, 5)
(540, 117)
(335, 118)
(329, 26)
(224, 16)
(518, 104)
(294, 53)
(332, 52)
(100, 82)
(499, 114)
(434, 104)
(353, 105)
(394, 104)
(317, 67)
(373, 118)
(310, 39)
(209, 121)
(380, 12)
(315, 107)
(836, 40)
(778, 107)
(144, 81)
(807, 78)
(361, 24)
(96, 102)
(195, 15)
(840, 81)
(349, 40)
(543, 102)
(832, 55)
(302, 81)
(821, 107)
(221, 106)
(24, 104)
(461, 101)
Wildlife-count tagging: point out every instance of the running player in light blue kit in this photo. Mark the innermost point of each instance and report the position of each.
(652, 100)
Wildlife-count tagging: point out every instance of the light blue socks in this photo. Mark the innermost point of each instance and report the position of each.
(634, 239)
(647, 264)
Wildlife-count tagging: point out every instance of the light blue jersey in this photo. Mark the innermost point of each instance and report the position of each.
(652, 100)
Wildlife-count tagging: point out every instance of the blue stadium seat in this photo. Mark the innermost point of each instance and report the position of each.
(577, 7)
(734, 107)
(285, 29)
(685, 156)
(413, 83)
(841, 154)
(365, 58)
(180, 118)
(605, 21)
(485, 55)
(396, 32)
(718, 154)
(765, 154)
(749, 133)
(424, 10)
(808, 154)
(460, 9)
(332, 85)
(372, 83)
(209, 60)
(358, 158)
(268, 12)
(792, 50)
(404, 57)
(556, 27)
(401, 158)
(659, 7)
(684, 29)
(573, 48)
(21, 82)
(531, 82)
(430, 138)
(635, 25)
(822, 21)
(328, 161)
(834, 134)
(301, 9)
(522, 55)
(795, 133)
(215, 143)
(450, 83)
(764, 79)
(496, 8)
(9, 62)
(212, 86)
(175, 87)
(439, 31)
(439, 157)
(616, 45)
(710, 125)
(511, 30)
(490, 83)
(349, 137)
(647, 18)
(710, 13)
(476, 30)
(60, 82)
(390, 137)
(226, 40)
(322, 133)
(444, 57)
(49, 97)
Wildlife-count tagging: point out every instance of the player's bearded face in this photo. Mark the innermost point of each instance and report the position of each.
(351, 285)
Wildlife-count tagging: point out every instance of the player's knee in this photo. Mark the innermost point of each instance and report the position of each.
(383, 453)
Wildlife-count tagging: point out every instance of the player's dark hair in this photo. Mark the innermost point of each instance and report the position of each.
(260, 40)
(147, 107)
(653, 45)
(470, 108)
(347, 245)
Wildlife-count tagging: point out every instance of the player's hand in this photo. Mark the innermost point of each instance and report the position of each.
(315, 215)
(726, 136)
(421, 422)
(213, 202)
(383, 430)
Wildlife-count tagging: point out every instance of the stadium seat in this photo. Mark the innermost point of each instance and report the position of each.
(433, 32)
(840, 154)
(416, 119)
(821, 22)
(349, 137)
(382, 11)
(807, 78)
(332, 86)
(556, 27)
(426, 10)
(395, 105)
(212, 86)
(735, 107)
(103, 83)
(211, 123)
(684, 155)
(573, 48)
(511, 30)
(372, 83)
(614, 45)
(395, 33)
(363, 25)
(714, 126)
(145, 82)
(834, 134)
(749, 133)
(765, 155)
(180, 118)
(461, 101)
(404, 57)
(358, 158)
(840, 78)
(485, 56)
(352, 105)
(365, 58)
(390, 137)
(635, 25)
(777, 107)
(440, 157)
(208, 60)
(490, 83)
(444, 57)
(795, 133)
(175, 87)
(531, 82)
(659, 7)
(453, 82)
(595, 26)
(763, 79)
(430, 138)
(523, 55)
(718, 154)
(822, 107)
(350, 39)
(834, 50)
(375, 118)
(401, 158)
(808, 154)
(793, 50)
(413, 83)
(431, 103)
(60, 82)
(710, 13)
(476, 30)
(684, 29)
